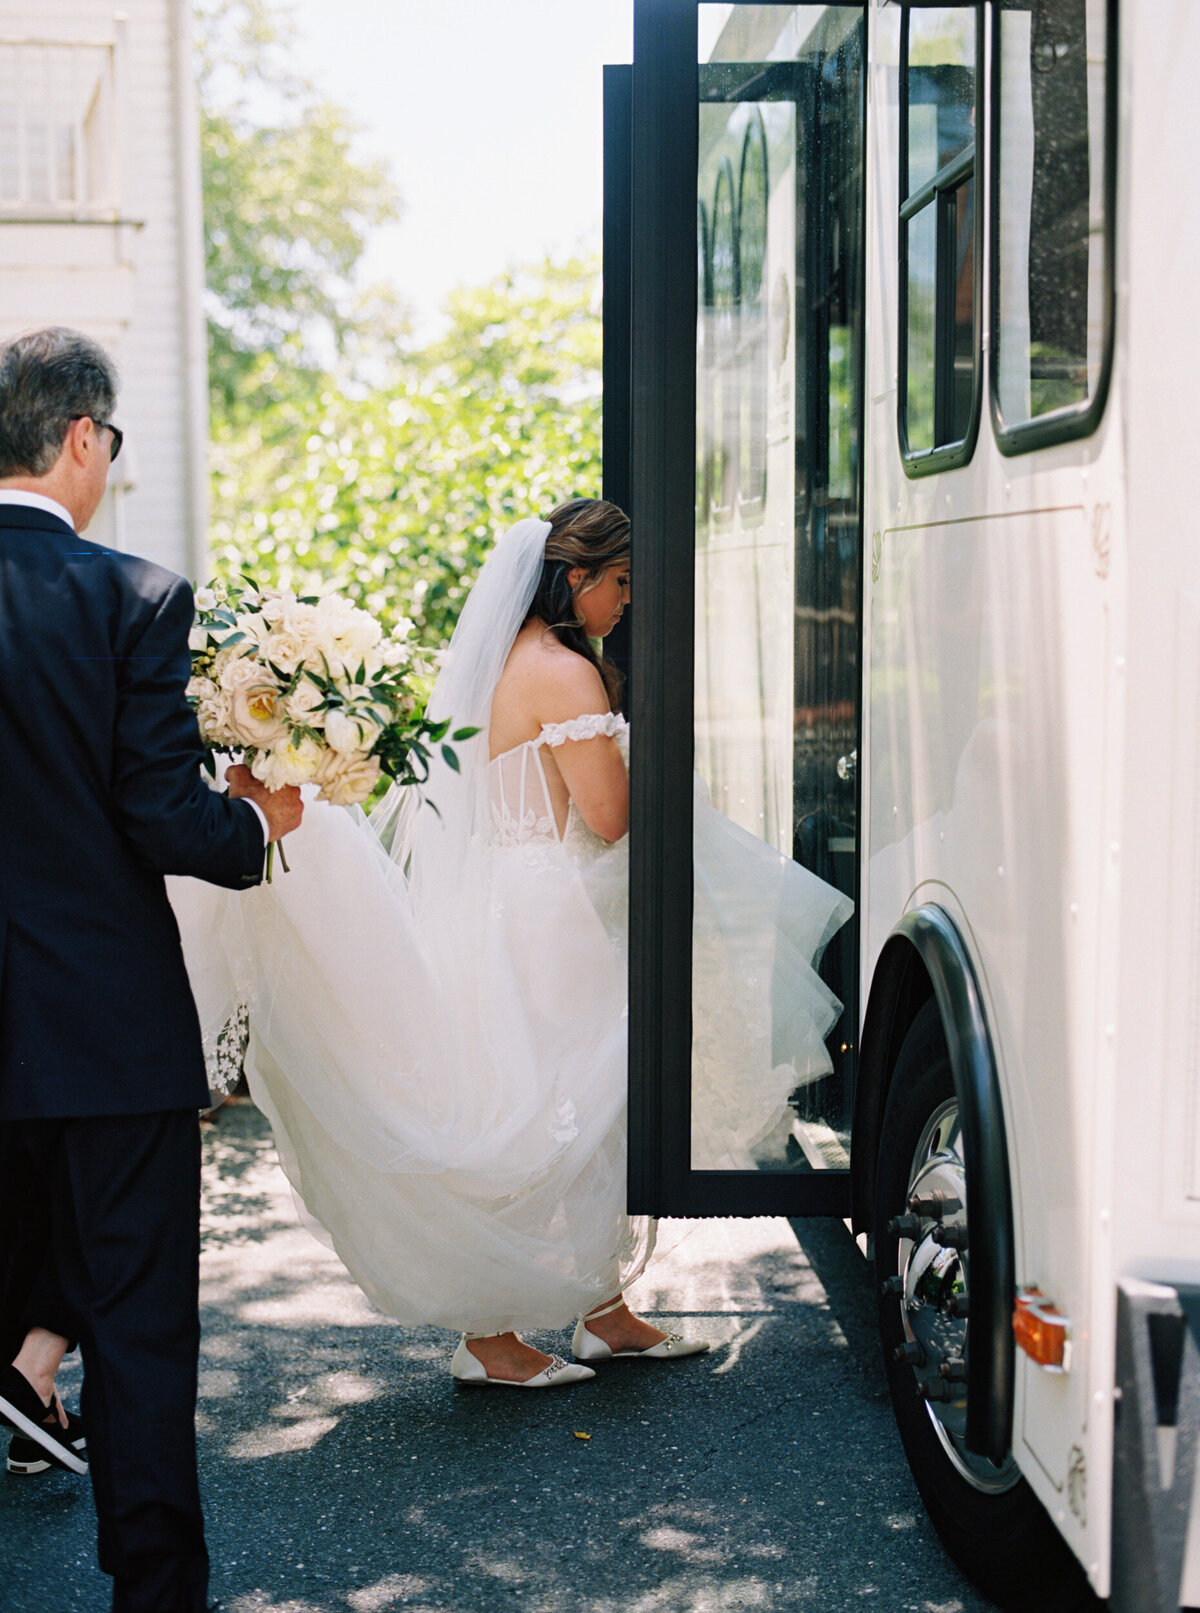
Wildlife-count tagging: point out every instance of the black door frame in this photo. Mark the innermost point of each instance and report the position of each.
(651, 143)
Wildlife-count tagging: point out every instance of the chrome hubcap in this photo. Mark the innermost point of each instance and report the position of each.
(934, 1262)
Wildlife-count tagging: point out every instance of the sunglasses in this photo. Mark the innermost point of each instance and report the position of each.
(118, 436)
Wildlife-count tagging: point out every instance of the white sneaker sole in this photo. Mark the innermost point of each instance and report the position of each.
(66, 1457)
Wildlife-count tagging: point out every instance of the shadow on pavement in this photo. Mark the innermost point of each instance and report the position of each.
(343, 1473)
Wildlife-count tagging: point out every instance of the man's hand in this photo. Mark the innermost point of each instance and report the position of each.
(283, 808)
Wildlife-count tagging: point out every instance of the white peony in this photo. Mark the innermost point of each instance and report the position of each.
(300, 619)
(354, 633)
(288, 764)
(201, 688)
(346, 780)
(254, 716)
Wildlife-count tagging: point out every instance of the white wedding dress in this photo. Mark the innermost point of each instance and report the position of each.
(438, 1014)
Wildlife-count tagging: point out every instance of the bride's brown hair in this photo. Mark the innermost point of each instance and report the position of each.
(594, 534)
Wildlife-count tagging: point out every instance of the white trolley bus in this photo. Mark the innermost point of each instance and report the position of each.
(901, 358)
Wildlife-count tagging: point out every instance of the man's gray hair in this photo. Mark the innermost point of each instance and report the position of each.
(46, 376)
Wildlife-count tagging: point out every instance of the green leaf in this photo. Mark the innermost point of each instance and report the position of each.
(450, 759)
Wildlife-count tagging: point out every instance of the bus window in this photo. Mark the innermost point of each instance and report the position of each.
(1052, 183)
(939, 380)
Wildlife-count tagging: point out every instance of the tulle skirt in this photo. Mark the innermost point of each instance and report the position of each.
(447, 1090)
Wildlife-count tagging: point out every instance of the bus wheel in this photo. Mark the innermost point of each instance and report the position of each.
(989, 1519)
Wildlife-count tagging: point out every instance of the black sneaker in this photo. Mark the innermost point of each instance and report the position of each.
(25, 1457)
(21, 1407)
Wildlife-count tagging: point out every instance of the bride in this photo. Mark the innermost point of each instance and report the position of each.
(437, 994)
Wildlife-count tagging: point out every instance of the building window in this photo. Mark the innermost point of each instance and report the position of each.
(1052, 183)
(939, 379)
(57, 145)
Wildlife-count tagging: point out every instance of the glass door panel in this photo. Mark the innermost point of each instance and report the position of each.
(777, 529)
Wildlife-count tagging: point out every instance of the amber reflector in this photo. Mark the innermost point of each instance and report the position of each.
(1040, 1330)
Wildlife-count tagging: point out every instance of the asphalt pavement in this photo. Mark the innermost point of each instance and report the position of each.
(343, 1472)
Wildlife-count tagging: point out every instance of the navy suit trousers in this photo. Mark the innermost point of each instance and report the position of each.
(108, 1251)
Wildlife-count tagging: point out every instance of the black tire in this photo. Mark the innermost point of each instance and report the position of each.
(1004, 1542)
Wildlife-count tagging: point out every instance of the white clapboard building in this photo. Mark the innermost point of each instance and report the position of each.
(101, 229)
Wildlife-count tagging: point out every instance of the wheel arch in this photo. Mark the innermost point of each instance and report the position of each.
(925, 956)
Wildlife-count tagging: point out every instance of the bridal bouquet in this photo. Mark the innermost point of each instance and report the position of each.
(310, 690)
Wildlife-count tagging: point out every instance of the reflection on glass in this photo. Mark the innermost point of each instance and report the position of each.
(704, 407)
(922, 283)
(960, 225)
(721, 337)
(1051, 329)
(938, 226)
(753, 191)
(779, 344)
(941, 89)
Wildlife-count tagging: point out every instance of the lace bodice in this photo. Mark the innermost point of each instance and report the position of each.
(520, 807)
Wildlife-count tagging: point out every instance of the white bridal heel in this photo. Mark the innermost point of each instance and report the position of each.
(586, 1346)
(467, 1368)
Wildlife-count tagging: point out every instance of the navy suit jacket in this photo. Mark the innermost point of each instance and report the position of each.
(101, 794)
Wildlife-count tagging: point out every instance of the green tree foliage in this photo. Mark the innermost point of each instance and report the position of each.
(339, 452)
(287, 206)
(399, 491)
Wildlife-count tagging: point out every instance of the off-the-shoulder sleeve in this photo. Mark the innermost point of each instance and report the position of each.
(590, 726)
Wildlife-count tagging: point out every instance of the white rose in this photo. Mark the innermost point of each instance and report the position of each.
(236, 671)
(301, 705)
(271, 603)
(201, 688)
(284, 650)
(349, 731)
(346, 780)
(288, 764)
(212, 715)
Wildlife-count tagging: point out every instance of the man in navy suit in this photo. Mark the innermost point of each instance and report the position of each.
(101, 1067)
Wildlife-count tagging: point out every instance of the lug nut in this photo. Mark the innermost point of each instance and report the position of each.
(958, 1305)
(892, 1286)
(938, 1392)
(935, 1205)
(905, 1226)
(954, 1370)
(910, 1354)
(951, 1237)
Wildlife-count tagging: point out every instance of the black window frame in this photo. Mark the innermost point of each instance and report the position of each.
(1078, 419)
(939, 192)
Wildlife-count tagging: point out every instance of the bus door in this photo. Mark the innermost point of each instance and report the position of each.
(733, 379)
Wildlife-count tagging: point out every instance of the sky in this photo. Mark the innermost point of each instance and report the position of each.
(489, 115)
